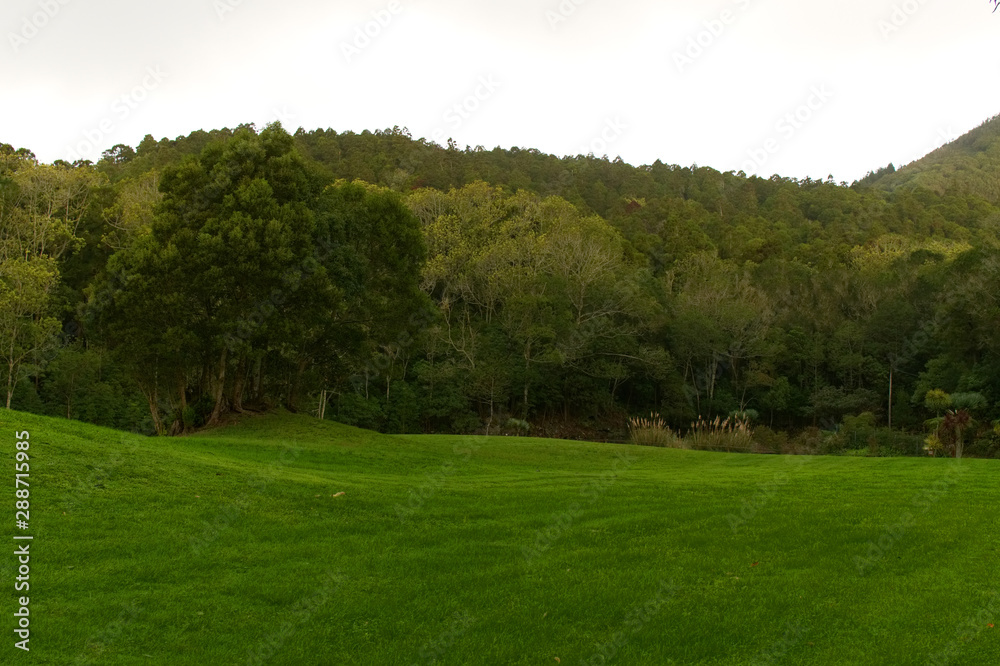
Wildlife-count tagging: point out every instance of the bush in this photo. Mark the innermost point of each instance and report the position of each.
(986, 445)
(189, 416)
(769, 441)
(651, 432)
(970, 401)
(354, 409)
(885, 442)
(852, 435)
(402, 409)
(809, 441)
(520, 426)
(748, 415)
(730, 434)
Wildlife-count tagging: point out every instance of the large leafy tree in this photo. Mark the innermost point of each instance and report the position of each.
(364, 293)
(41, 208)
(231, 223)
(251, 274)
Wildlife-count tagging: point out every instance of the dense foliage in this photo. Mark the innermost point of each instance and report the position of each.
(396, 284)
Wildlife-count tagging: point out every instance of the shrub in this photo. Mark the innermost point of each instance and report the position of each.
(521, 426)
(749, 415)
(810, 441)
(769, 441)
(986, 445)
(854, 433)
(402, 411)
(652, 432)
(969, 401)
(354, 409)
(188, 416)
(936, 400)
(729, 434)
(885, 442)
(933, 445)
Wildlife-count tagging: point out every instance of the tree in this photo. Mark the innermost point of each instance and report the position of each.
(40, 212)
(231, 223)
(956, 421)
(131, 215)
(721, 322)
(365, 296)
(249, 276)
(25, 285)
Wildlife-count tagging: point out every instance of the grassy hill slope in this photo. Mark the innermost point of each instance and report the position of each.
(968, 165)
(233, 547)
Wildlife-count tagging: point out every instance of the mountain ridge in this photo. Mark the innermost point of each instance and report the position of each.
(969, 165)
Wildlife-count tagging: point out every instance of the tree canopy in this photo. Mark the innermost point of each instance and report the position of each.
(393, 283)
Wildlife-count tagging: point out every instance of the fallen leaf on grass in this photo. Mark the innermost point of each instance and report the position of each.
(337, 495)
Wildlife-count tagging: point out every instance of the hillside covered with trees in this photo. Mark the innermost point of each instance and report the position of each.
(403, 286)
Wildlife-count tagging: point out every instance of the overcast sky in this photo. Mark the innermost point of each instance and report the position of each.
(764, 86)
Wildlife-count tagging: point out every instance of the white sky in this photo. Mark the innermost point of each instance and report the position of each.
(606, 68)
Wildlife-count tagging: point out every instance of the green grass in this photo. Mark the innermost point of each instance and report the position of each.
(227, 546)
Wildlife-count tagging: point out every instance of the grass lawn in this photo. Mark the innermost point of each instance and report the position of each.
(234, 547)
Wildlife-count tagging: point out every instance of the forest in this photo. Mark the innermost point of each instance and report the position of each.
(391, 283)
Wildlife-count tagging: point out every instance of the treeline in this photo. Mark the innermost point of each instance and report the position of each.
(399, 285)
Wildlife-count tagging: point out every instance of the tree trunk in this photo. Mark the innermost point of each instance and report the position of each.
(527, 365)
(154, 410)
(255, 381)
(321, 411)
(238, 383)
(293, 394)
(182, 390)
(10, 382)
(219, 390)
(890, 397)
